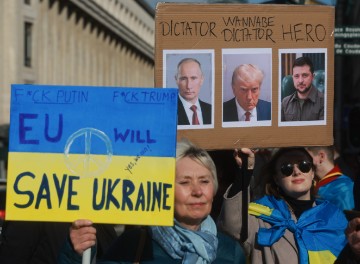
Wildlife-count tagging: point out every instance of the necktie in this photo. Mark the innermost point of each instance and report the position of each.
(195, 120)
(247, 116)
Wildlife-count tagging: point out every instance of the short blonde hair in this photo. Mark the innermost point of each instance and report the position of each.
(185, 148)
(247, 73)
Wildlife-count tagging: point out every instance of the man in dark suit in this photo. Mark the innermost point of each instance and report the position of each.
(189, 79)
(246, 105)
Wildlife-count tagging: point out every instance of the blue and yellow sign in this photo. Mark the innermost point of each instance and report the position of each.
(100, 153)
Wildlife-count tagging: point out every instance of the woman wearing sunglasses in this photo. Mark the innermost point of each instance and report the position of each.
(287, 225)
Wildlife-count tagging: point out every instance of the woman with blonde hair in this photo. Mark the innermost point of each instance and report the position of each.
(193, 239)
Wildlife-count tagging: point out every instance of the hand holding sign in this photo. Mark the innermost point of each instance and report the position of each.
(82, 235)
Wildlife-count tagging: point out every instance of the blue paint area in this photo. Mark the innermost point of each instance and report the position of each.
(94, 120)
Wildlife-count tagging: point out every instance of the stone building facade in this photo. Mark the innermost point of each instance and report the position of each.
(74, 42)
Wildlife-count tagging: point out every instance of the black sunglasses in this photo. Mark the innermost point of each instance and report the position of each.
(287, 169)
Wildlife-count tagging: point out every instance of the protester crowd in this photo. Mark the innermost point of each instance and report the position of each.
(291, 222)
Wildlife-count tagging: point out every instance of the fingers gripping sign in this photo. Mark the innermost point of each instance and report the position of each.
(245, 155)
(82, 235)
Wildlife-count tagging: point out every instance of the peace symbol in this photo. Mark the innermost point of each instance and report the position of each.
(88, 164)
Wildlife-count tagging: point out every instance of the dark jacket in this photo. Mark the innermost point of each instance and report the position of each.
(126, 248)
(263, 109)
(312, 108)
(25, 242)
(205, 109)
(347, 257)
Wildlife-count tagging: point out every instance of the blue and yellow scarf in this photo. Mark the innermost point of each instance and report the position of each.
(319, 231)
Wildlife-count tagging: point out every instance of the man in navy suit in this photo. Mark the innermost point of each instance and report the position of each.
(189, 79)
(246, 105)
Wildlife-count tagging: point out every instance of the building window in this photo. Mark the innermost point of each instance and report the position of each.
(27, 44)
(27, 2)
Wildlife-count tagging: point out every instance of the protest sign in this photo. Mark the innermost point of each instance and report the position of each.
(222, 37)
(100, 153)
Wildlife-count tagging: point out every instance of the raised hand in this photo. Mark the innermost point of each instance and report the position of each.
(250, 153)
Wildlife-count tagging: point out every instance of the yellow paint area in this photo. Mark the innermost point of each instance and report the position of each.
(259, 209)
(320, 257)
(122, 189)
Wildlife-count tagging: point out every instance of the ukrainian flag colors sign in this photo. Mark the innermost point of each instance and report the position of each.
(100, 153)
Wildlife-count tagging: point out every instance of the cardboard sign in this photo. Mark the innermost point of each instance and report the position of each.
(221, 37)
(100, 153)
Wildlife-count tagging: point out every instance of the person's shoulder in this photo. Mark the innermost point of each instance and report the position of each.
(338, 183)
(342, 184)
(229, 102)
(288, 98)
(328, 207)
(226, 240)
(229, 250)
(317, 91)
(221, 235)
(345, 178)
(315, 94)
(202, 103)
(330, 213)
(320, 94)
(264, 103)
